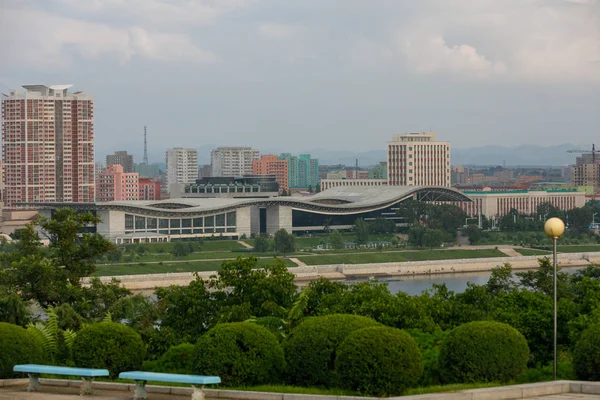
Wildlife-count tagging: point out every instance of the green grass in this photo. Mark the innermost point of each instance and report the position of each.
(169, 267)
(532, 252)
(578, 248)
(398, 256)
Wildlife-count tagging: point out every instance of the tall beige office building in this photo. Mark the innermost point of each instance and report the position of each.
(182, 166)
(417, 159)
(48, 145)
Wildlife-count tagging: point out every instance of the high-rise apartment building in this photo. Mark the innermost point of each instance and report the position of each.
(233, 161)
(48, 145)
(303, 171)
(272, 165)
(149, 189)
(114, 184)
(417, 159)
(121, 158)
(182, 166)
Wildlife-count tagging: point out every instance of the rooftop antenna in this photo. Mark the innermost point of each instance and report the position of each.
(145, 147)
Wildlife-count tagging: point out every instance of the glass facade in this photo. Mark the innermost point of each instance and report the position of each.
(219, 223)
(306, 219)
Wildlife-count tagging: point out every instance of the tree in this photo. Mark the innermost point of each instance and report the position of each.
(413, 211)
(69, 248)
(182, 249)
(382, 226)
(261, 244)
(473, 233)
(432, 238)
(361, 231)
(336, 240)
(284, 242)
(310, 189)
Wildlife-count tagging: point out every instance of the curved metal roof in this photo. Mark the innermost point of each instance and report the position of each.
(339, 200)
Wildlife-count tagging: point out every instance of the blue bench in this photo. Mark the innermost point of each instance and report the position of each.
(34, 371)
(141, 377)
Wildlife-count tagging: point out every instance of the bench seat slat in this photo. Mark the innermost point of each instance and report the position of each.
(54, 370)
(160, 377)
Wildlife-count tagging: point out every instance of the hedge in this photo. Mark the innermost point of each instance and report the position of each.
(483, 351)
(17, 346)
(379, 360)
(109, 345)
(311, 348)
(586, 355)
(176, 360)
(241, 353)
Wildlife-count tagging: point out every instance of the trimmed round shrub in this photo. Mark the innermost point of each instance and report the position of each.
(176, 360)
(311, 349)
(586, 355)
(379, 360)
(17, 346)
(109, 345)
(241, 353)
(483, 351)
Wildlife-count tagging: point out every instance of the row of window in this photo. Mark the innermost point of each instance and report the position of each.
(219, 223)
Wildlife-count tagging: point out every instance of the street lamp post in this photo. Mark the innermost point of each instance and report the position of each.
(554, 228)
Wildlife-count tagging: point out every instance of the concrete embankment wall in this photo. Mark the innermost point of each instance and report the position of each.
(389, 269)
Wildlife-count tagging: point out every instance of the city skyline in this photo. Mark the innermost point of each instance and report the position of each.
(317, 76)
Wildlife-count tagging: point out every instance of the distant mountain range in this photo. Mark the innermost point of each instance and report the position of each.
(526, 155)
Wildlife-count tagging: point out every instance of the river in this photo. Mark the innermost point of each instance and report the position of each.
(456, 282)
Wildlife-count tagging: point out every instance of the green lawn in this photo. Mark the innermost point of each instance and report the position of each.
(398, 256)
(167, 267)
(532, 252)
(578, 248)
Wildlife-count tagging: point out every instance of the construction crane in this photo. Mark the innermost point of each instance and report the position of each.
(593, 152)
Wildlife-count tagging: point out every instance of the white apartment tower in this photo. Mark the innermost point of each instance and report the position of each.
(417, 159)
(48, 145)
(182, 166)
(233, 161)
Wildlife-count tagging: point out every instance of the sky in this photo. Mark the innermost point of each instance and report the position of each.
(297, 75)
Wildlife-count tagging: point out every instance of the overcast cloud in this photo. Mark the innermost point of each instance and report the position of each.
(305, 74)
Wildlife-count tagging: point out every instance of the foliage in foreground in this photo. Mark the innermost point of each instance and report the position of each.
(109, 345)
(240, 353)
(311, 349)
(17, 346)
(483, 351)
(586, 356)
(379, 361)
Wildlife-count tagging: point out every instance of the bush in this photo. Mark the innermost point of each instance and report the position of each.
(109, 345)
(17, 346)
(241, 353)
(586, 356)
(379, 360)
(483, 351)
(311, 349)
(177, 360)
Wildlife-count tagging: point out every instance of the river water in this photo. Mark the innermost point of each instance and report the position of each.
(456, 282)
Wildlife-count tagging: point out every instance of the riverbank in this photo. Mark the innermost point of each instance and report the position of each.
(374, 270)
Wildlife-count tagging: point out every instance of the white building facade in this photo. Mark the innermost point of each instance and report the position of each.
(233, 161)
(417, 159)
(182, 166)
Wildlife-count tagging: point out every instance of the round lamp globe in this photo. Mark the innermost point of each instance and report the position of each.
(554, 227)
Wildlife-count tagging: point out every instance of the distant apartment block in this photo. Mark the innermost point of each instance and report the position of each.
(233, 161)
(48, 145)
(148, 189)
(303, 171)
(121, 158)
(147, 170)
(182, 166)
(499, 203)
(272, 165)
(378, 172)
(205, 171)
(417, 159)
(114, 184)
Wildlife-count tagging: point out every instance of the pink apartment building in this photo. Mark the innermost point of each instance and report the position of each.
(114, 184)
(149, 189)
(48, 145)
